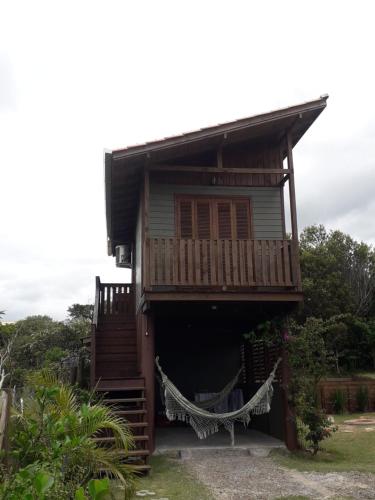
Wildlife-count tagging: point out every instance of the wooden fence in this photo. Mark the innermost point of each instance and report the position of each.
(350, 388)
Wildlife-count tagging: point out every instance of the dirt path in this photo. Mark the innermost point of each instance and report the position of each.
(247, 478)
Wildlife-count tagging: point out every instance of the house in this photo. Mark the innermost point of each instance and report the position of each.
(200, 219)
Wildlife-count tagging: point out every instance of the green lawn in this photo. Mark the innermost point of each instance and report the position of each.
(344, 451)
(169, 479)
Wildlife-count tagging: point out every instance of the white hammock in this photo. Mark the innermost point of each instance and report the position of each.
(206, 423)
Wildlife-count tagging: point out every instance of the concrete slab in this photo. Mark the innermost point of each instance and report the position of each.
(182, 442)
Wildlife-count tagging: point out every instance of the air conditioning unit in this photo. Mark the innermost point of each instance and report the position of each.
(124, 255)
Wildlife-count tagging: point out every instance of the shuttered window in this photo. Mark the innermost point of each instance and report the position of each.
(242, 218)
(186, 219)
(224, 220)
(203, 220)
(213, 218)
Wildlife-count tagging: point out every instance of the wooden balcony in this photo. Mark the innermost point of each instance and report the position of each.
(221, 264)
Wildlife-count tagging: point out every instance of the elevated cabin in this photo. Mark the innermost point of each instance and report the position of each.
(203, 217)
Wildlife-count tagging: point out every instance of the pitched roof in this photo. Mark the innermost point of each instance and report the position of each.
(124, 167)
(263, 124)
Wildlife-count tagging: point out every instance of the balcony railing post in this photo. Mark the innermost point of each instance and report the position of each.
(293, 215)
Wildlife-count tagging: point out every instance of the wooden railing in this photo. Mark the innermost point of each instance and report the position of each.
(97, 300)
(222, 263)
(116, 300)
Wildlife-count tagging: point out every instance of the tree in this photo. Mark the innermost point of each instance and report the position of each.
(38, 342)
(81, 312)
(338, 273)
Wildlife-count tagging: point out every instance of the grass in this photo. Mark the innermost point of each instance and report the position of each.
(357, 374)
(343, 451)
(365, 375)
(169, 479)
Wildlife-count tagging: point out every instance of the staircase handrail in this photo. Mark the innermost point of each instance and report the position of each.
(97, 301)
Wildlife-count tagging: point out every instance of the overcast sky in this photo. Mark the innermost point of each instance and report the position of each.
(80, 76)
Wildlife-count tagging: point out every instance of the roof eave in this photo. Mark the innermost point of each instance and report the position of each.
(218, 130)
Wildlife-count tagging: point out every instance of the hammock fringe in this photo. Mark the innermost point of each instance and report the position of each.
(206, 423)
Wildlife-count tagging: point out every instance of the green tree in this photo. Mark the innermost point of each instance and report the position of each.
(338, 274)
(81, 312)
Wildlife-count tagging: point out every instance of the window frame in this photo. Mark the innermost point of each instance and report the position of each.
(213, 200)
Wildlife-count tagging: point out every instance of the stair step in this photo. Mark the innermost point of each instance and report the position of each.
(130, 412)
(140, 438)
(140, 468)
(124, 400)
(104, 440)
(137, 453)
(112, 439)
(134, 425)
(107, 389)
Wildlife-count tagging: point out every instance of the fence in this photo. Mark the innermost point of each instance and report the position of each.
(350, 388)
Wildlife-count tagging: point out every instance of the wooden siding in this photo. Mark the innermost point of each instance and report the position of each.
(221, 263)
(264, 155)
(266, 205)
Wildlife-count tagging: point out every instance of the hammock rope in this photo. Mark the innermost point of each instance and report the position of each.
(206, 423)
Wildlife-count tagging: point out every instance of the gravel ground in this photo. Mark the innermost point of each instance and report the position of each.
(246, 478)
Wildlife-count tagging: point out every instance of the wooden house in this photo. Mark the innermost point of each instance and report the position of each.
(202, 215)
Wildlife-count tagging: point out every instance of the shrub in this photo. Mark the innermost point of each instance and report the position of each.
(302, 431)
(53, 436)
(362, 398)
(319, 427)
(338, 400)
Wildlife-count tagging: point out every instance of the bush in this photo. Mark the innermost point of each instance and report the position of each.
(52, 437)
(319, 427)
(362, 398)
(338, 400)
(308, 361)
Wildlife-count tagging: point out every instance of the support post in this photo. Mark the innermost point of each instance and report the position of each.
(148, 370)
(293, 215)
(290, 430)
(92, 356)
(145, 231)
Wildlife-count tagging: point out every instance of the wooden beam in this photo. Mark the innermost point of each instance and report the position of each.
(284, 180)
(145, 231)
(147, 334)
(290, 431)
(293, 213)
(216, 170)
(222, 296)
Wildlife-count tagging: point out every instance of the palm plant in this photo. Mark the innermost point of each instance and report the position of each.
(54, 430)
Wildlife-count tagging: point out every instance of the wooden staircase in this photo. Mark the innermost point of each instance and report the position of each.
(114, 366)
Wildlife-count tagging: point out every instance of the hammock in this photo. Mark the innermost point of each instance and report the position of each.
(211, 403)
(206, 423)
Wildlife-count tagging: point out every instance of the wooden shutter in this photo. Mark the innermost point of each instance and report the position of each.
(186, 219)
(224, 220)
(203, 220)
(242, 218)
